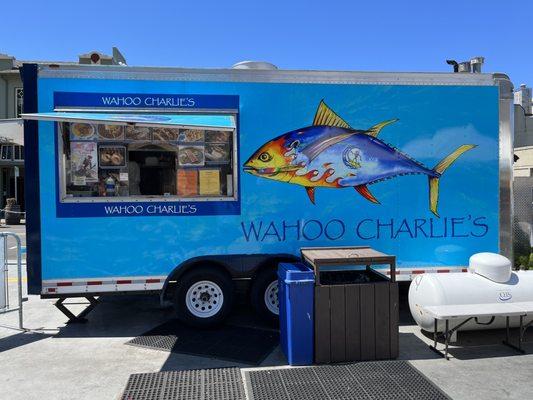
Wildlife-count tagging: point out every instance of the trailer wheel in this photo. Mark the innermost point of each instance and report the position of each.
(204, 297)
(264, 294)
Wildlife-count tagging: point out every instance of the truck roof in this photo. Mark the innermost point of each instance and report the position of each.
(264, 75)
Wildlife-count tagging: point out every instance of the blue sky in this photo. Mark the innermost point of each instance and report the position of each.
(343, 35)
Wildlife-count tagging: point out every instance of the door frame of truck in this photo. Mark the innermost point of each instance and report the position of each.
(258, 262)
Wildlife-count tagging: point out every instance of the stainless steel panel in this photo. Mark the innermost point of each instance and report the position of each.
(506, 123)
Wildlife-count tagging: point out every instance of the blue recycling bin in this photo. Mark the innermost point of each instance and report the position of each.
(296, 301)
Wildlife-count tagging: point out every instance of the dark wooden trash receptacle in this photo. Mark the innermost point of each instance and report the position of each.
(354, 321)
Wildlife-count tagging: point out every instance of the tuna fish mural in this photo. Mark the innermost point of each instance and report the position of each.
(332, 154)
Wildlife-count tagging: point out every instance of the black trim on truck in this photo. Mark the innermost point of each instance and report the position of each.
(31, 182)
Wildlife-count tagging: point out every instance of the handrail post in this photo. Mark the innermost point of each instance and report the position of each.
(5, 235)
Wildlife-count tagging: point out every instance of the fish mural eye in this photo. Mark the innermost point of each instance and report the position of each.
(265, 157)
(332, 154)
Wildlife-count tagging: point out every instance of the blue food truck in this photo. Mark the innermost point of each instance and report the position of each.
(193, 183)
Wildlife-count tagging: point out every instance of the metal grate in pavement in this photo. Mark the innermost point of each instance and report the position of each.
(206, 384)
(360, 381)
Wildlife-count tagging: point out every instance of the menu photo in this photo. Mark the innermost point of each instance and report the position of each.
(79, 131)
(191, 135)
(218, 136)
(216, 152)
(191, 155)
(110, 132)
(112, 156)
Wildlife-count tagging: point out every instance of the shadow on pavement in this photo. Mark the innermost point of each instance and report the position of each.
(484, 343)
(118, 316)
(21, 339)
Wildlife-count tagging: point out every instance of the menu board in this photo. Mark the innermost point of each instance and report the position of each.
(84, 163)
(209, 182)
(187, 182)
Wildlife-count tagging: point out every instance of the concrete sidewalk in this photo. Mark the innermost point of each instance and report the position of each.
(91, 361)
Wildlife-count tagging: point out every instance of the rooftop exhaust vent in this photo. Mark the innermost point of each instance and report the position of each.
(472, 66)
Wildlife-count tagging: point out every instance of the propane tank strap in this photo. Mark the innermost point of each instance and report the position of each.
(484, 323)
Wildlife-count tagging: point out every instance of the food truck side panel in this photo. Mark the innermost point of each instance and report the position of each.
(278, 217)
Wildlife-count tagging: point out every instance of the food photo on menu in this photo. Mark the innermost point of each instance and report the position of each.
(191, 155)
(165, 134)
(216, 152)
(217, 136)
(79, 131)
(138, 133)
(110, 132)
(112, 156)
(191, 135)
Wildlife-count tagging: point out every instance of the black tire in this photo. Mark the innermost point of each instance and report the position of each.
(188, 281)
(257, 296)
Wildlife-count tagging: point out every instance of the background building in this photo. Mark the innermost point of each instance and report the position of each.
(11, 127)
(523, 172)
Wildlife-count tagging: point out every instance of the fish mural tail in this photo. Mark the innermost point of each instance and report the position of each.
(439, 169)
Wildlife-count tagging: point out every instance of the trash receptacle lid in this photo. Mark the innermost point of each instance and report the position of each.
(295, 272)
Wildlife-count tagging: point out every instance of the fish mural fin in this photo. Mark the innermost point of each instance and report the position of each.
(363, 191)
(439, 169)
(374, 131)
(326, 116)
(311, 193)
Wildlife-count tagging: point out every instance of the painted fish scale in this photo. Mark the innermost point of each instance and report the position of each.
(377, 161)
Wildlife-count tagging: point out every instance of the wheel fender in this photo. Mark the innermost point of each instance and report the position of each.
(187, 266)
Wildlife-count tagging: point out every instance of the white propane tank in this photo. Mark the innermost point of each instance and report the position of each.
(489, 280)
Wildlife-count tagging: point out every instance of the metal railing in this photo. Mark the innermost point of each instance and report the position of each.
(4, 302)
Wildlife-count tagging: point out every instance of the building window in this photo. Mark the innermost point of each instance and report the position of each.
(12, 152)
(19, 100)
(18, 153)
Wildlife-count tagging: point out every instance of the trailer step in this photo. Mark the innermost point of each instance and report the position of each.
(80, 318)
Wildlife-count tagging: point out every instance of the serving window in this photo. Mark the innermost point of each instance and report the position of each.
(110, 162)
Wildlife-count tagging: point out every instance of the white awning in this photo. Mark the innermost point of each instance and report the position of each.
(214, 121)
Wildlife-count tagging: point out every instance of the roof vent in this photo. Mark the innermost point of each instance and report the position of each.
(254, 65)
(474, 65)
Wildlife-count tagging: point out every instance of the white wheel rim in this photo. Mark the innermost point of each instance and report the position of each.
(204, 299)
(271, 298)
